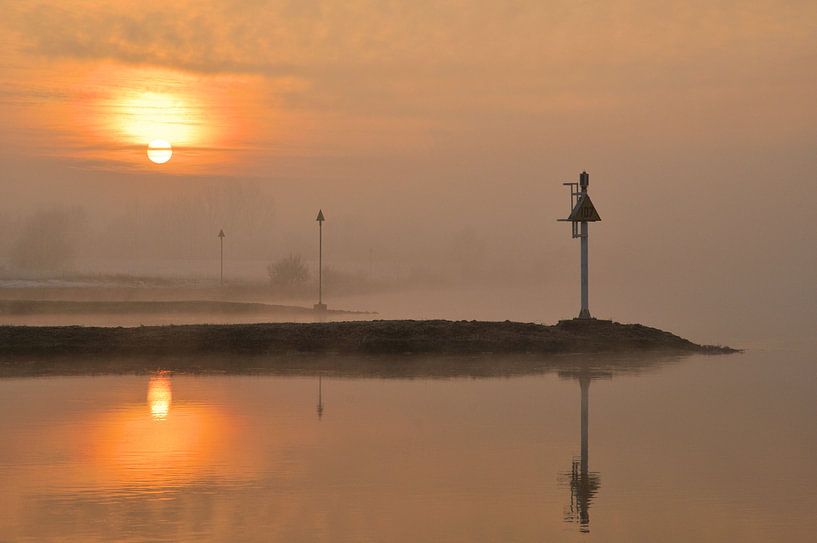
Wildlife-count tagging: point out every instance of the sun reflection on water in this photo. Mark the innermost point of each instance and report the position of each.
(160, 395)
(162, 441)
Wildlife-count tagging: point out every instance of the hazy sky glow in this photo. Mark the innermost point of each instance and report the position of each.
(413, 122)
(265, 80)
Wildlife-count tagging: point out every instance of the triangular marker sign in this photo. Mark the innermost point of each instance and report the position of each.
(320, 216)
(584, 211)
(221, 233)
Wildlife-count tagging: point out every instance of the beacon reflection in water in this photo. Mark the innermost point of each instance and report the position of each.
(584, 484)
(320, 397)
(160, 395)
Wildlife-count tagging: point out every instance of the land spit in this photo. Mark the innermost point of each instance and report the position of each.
(163, 307)
(381, 337)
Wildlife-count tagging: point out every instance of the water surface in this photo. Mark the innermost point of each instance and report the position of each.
(695, 449)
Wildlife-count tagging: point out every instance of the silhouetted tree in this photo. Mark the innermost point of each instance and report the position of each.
(48, 240)
(288, 272)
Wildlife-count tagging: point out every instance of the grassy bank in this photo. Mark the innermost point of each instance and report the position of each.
(359, 337)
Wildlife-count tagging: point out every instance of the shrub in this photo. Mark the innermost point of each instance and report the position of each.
(288, 272)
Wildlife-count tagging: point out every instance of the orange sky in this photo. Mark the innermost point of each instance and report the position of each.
(415, 123)
(239, 85)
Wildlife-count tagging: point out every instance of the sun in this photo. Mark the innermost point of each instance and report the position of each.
(159, 151)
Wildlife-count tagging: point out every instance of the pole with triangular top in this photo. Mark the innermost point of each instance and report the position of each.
(221, 240)
(320, 306)
(582, 211)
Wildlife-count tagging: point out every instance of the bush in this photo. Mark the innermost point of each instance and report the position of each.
(288, 272)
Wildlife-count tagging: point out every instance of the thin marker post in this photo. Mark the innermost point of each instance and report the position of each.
(320, 306)
(221, 240)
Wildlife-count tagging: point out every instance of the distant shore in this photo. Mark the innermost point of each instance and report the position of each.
(206, 307)
(381, 337)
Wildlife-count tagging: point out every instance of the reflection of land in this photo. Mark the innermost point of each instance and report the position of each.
(385, 367)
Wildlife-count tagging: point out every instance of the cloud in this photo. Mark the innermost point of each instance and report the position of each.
(292, 36)
(404, 56)
(171, 36)
(454, 70)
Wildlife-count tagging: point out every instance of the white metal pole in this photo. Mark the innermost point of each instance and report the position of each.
(585, 310)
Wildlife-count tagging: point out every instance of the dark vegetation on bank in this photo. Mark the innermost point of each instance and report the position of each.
(274, 341)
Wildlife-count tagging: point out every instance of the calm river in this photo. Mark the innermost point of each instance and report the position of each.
(692, 449)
